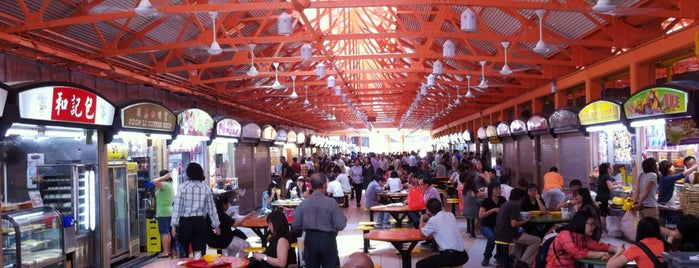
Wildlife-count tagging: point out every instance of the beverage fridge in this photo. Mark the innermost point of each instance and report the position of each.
(124, 234)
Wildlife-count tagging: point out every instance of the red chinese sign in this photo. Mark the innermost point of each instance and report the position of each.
(73, 105)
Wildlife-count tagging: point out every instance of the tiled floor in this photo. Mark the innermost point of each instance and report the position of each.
(350, 240)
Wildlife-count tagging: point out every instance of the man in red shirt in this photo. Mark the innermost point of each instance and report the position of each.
(295, 166)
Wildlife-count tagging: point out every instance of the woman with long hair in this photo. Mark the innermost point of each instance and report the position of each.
(471, 204)
(277, 251)
(575, 242)
(488, 214)
(582, 201)
(647, 189)
(647, 235)
(604, 191)
(232, 242)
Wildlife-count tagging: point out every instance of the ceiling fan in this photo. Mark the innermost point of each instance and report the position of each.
(276, 84)
(253, 70)
(468, 91)
(609, 8)
(215, 48)
(505, 68)
(541, 47)
(293, 93)
(484, 81)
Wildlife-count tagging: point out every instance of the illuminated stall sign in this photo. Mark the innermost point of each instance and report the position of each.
(518, 127)
(268, 134)
(537, 124)
(564, 119)
(291, 136)
(228, 128)
(65, 104)
(481, 133)
(503, 130)
(148, 116)
(195, 122)
(281, 136)
(655, 101)
(251, 131)
(466, 136)
(598, 112)
(492, 133)
(300, 138)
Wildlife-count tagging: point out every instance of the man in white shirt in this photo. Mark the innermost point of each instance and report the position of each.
(442, 226)
(335, 189)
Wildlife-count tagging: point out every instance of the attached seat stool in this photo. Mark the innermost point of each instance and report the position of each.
(503, 248)
(365, 229)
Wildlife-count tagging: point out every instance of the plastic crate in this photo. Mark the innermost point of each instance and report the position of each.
(680, 259)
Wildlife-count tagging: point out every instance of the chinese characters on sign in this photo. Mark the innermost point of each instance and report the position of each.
(73, 105)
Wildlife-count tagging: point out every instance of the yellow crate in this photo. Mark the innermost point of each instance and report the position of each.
(152, 236)
(153, 244)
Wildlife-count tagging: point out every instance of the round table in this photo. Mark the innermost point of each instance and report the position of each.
(397, 212)
(287, 203)
(394, 197)
(398, 237)
(168, 263)
(259, 227)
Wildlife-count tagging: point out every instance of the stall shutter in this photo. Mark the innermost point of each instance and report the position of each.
(509, 160)
(262, 171)
(573, 147)
(527, 155)
(244, 171)
(548, 154)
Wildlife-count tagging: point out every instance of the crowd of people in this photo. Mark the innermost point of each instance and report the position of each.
(486, 199)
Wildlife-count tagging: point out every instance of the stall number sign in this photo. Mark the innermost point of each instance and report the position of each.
(66, 104)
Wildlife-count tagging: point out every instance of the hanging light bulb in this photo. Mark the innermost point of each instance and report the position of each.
(320, 69)
(145, 9)
(306, 52)
(448, 49)
(284, 24)
(484, 82)
(331, 81)
(468, 21)
(437, 67)
(431, 80)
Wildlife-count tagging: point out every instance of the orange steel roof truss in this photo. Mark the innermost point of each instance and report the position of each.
(380, 52)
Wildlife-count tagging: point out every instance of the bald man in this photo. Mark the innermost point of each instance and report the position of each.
(358, 260)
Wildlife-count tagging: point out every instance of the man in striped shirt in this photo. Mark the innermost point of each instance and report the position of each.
(193, 202)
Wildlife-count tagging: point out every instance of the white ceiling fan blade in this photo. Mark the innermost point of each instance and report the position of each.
(541, 47)
(215, 48)
(145, 9)
(603, 6)
(506, 70)
(253, 71)
(277, 85)
(469, 94)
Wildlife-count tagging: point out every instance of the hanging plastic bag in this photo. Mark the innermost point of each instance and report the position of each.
(415, 199)
(628, 225)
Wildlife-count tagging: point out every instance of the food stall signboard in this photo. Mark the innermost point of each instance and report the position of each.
(300, 138)
(195, 122)
(65, 104)
(503, 129)
(598, 112)
(269, 134)
(537, 123)
(291, 136)
(281, 135)
(564, 120)
(491, 131)
(481, 133)
(252, 130)
(228, 128)
(148, 116)
(656, 101)
(466, 136)
(518, 127)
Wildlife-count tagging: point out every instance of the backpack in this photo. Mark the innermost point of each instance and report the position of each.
(653, 258)
(543, 251)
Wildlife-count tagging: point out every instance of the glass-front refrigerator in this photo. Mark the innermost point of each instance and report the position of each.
(123, 210)
(32, 238)
(70, 189)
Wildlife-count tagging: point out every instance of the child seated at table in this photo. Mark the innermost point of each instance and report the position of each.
(648, 236)
(575, 242)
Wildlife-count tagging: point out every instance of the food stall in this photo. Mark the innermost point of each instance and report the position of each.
(518, 131)
(508, 145)
(52, 152)
(141, 132)
(565, 125)
(543, 146)
(222, 154)
(610, 138)
(193, 134)
(244, 169)
(301, 143)
(468, 141)
(663, 117)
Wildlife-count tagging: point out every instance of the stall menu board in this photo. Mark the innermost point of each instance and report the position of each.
(195, 122)
(656, 101)
(228, 128)
(281, 135)
(251, 130)
(481, 133)
(622, 141)
(300, 138)
(598, 112)
(466, 136)
(518, 127)
(503, 129)
(149, 116)
(65, 104)
(269, 134)
(291, 136)
(681, 131)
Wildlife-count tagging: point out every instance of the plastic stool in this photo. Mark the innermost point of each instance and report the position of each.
(503, 248)
(254, 249)
(367, 223)
(453, 202)
(365, 229)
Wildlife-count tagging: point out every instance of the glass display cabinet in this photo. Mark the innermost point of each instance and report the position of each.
(32, 238)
